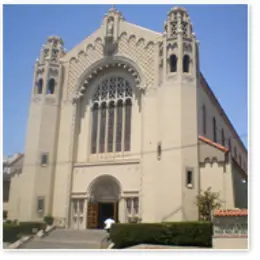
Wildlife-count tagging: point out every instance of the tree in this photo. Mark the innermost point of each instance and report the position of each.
(207, 201)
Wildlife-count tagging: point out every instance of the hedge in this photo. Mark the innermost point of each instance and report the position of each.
(195, 234)
(12, 231)
(48, 220)
(5, 214)
(28, 227)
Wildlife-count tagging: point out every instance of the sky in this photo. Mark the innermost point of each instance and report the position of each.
(221, 30)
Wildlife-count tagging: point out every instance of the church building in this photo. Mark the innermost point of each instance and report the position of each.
(124, 125)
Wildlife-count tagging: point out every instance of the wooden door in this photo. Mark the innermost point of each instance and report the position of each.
(92, 218)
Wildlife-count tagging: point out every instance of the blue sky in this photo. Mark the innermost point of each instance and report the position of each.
(221, 30)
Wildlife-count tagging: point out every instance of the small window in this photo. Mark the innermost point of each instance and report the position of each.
(159, 150)
(222, 137)
(186, 64)
(214, 130)
(173, 63)
(136, 205)
(240, 162)
(40, 205)
(129, 205)
(51, 87)
(204, 120)
(189, 178)
(44, 159)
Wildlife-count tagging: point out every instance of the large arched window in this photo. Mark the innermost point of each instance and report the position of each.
(39, 86)
(51, 86)
(94, 128)
(173, 63)
(204, 120)
(128, 112)
(186, 63)
(102, 132)
(119, 124)
(214, 129)
(111, 116)
(111, 120)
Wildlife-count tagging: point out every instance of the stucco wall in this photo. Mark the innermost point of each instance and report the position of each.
(231, 243)
(128, 174)
(16, 182)
(216, 172)
(211, 111)
(14, 207)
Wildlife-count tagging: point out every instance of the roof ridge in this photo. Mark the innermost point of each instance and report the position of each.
(209, 141)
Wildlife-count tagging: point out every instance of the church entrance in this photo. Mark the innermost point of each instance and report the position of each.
(103, 201)
(106, 210)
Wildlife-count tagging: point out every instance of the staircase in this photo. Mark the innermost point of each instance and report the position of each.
(69, 239)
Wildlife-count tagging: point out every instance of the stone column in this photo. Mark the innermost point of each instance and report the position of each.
(85, 212)
(121, 210)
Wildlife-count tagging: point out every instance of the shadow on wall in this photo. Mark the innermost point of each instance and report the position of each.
(175, 211)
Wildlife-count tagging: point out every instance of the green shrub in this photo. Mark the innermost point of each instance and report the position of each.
(197, 234)
(4, 214)
(10, 232)
(28, 227)
(48, 220)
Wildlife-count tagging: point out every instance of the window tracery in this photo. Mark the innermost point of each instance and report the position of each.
(111, 116)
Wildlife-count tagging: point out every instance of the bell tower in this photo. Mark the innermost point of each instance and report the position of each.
(177, 118)
(180, 47)
(42, 131)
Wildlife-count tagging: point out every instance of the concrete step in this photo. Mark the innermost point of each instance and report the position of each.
(69, 239)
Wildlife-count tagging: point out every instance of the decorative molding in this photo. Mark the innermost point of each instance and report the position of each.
(187, 48)
(106, 66)
(53, 72)
(141, 52)
(40, 71)
(102, 163)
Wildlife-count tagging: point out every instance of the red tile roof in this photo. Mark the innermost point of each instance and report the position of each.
(230, 212)
(208, 141)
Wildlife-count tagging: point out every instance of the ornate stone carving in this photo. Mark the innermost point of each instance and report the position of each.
(53, 72)
(110, 27)
(178, 23)
(143, 55)
(40, 71)
(187, 47)
(102, 91)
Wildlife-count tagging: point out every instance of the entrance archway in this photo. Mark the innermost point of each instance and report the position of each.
(103, 196)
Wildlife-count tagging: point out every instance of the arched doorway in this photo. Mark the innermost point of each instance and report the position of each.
(103, 196)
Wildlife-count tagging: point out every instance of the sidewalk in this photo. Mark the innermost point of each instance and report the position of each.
(146, 246)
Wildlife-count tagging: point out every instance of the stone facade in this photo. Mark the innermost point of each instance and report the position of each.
(133, 157)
